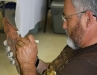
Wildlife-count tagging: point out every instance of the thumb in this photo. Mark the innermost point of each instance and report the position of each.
(31, 38)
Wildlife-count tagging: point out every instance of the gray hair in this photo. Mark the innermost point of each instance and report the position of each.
(84, 5)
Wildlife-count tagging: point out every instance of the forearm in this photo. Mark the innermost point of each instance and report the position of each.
(42, 66)
(28, 69)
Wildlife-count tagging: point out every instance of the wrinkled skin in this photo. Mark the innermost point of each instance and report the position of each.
(27, 50)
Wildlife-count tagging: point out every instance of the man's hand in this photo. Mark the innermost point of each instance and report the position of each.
(26, 50)
(27, 55)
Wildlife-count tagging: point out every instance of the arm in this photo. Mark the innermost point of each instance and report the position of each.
(28, 69)
(12, 36)
(42, 66)
(27, 55)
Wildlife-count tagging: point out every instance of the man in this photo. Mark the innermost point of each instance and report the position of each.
(80, 21)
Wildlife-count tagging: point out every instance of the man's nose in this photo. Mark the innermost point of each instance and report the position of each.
(64, 24)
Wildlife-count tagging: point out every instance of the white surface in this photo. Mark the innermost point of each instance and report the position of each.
(28, 14)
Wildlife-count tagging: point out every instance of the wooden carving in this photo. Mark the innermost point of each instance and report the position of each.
(12, 35)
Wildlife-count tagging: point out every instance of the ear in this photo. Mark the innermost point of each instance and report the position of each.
(89, 18)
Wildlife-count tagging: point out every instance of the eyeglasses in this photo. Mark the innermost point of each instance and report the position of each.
(64, 18)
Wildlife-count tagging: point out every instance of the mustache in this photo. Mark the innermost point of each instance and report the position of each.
(66, 32)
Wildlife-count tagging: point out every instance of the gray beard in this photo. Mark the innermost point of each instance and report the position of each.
(70, 42)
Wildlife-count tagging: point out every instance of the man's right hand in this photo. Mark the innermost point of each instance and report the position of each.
(27, 54)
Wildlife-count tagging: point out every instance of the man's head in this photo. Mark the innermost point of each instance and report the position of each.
(81, 23)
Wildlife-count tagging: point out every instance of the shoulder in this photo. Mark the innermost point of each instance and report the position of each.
(83, 63)
(79, 67)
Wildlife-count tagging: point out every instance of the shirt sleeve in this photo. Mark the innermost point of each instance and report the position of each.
(79, 67)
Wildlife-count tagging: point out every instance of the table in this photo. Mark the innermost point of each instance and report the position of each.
(28, 14)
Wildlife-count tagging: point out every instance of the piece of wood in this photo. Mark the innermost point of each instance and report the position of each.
(12, 36)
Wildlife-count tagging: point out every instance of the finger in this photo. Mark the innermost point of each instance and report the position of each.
(24, 40)
(20, 43)
(17, 47)
(31, 38)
